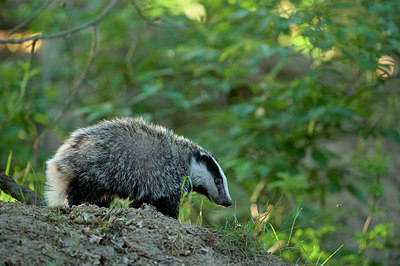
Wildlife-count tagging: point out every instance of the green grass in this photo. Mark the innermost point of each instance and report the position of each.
(264, 234)
(7, 172)
(184, 213)
(330, 256)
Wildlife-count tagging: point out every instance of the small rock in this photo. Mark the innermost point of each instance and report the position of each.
(140, 224)
(204, 250)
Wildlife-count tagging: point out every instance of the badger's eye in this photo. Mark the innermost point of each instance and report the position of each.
(218, 181)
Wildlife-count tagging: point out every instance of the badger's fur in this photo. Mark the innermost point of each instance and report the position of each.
(131, 158)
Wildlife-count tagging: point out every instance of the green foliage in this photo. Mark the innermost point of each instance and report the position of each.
(312, 249)
(376, 237)
(297, 99)
(290, 185)
(187, 180)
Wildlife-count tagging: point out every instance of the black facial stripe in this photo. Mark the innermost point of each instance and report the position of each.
(214, 170)
(212, 167)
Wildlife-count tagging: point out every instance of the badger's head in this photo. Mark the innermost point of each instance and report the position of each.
(209, 179)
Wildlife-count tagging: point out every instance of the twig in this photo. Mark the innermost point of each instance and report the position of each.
(24, 23)
(140, 13)
(21, 193)
(67, 32)
(368, 221)
(152, 22)
(109, 212)
(92, 55)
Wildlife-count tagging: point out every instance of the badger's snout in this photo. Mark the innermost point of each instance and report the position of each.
(227, 203)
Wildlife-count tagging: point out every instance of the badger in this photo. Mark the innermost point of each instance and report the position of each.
(135, 159)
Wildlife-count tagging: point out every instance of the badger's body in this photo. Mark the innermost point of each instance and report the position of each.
(130, 158)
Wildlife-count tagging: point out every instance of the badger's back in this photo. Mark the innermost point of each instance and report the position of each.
(125, 157)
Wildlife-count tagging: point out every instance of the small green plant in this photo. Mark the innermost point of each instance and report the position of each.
(120, 203)
(184, 213)
(258, 235)
(261, 234)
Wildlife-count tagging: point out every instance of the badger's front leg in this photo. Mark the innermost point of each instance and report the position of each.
(168, 206)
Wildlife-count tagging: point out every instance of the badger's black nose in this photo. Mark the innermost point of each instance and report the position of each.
(228, 202)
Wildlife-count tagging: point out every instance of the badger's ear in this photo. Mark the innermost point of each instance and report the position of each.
(203, 156)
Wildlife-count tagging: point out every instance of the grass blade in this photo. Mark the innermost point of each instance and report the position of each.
(7, 172)
(332, 255)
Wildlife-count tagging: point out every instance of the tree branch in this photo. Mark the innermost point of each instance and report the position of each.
(140, 13)
(37, 13)
(21, 193)
(67, 32)
(152, 22)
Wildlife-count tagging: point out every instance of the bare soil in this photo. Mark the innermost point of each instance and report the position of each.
(89, 235)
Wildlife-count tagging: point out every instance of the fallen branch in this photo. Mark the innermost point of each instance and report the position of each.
(20, 193)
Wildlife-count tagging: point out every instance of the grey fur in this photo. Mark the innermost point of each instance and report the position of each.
(131, 158)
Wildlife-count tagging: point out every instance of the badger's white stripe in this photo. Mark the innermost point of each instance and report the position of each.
(225, 181)
(56, 185)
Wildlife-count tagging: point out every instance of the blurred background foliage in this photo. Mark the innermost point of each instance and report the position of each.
(299, 100)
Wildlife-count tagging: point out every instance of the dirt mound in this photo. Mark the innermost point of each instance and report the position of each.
(89, 235)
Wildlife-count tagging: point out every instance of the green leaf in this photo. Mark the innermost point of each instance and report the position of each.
(242, 110)
(263, 170)
(319, 156)
(357, 193)
(233, 49)
(243, 169)
(394, 134)
(94, 111)
(316, 112)
(265, 50)
(365, 61)
(396, 44)
(239, 14)
(34, 72)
